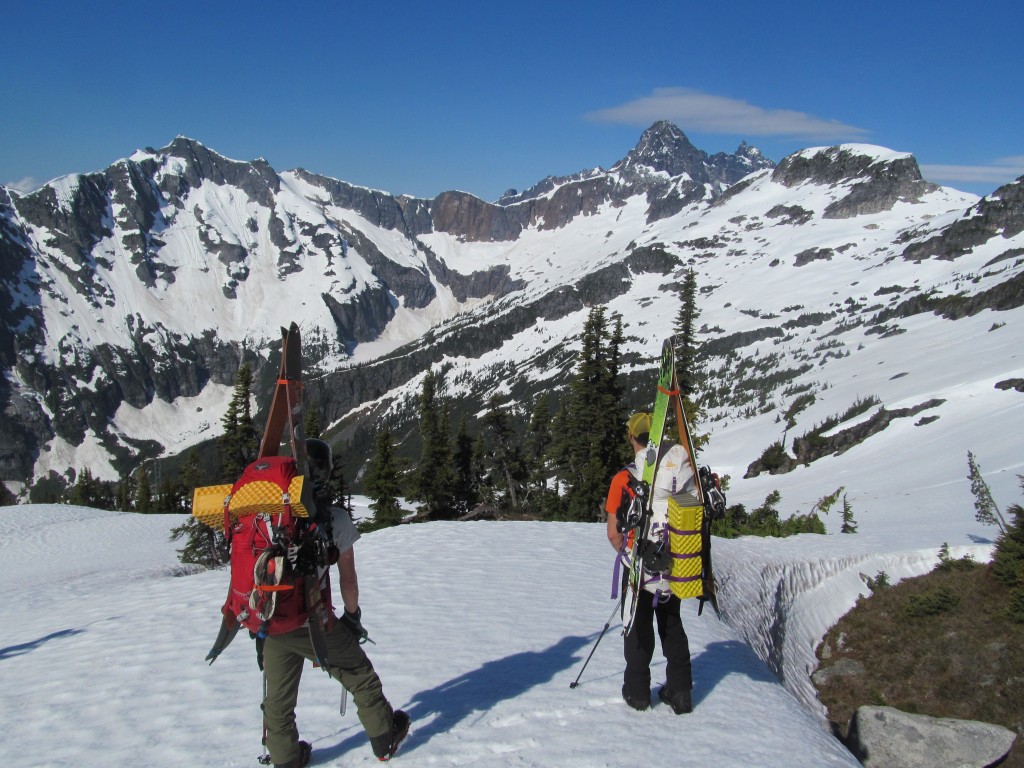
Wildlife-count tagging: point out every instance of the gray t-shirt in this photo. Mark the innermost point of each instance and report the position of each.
(345, 532)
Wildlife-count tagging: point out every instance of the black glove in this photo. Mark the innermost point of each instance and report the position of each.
(355, 626)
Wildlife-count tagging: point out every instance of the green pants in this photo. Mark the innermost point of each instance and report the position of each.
(283, 658)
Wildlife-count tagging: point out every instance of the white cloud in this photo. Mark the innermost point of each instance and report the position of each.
(25, 185)
(695, 111)
(1000, 171)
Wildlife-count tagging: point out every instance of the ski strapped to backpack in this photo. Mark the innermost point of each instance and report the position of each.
(278, 535)
(638, 520)
(681, 553)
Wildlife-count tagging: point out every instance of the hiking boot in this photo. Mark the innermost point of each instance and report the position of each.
(305, 750)
(639, 705)
(385, 747)
(678, 700)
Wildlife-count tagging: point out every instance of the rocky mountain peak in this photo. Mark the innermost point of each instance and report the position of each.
(256, 178)
(845, 163)
(663, 148)
(876, 178)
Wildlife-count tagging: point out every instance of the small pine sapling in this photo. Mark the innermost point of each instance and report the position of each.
(849, 524)
(985, 509)
(880, 582)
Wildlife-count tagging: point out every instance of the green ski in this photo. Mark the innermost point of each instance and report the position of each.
(634, 575)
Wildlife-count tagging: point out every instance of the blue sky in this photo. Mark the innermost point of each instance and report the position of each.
(418, 98)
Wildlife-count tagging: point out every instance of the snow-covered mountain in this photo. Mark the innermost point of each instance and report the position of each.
(838, 278)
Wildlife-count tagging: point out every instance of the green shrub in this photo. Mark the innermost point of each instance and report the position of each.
(1015, 605)
(1008, 558)
(880, 582)
(774, 456)
(932, 603)
(948, 563)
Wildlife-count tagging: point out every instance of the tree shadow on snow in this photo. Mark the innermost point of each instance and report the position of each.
(475, 692)
(980, 539)
(19, 650)
(721, 659)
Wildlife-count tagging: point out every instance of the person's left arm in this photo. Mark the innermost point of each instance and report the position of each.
(348, 580)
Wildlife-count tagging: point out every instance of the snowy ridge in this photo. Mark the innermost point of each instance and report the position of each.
(782, 606)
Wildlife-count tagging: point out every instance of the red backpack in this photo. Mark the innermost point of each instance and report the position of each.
(267, 596)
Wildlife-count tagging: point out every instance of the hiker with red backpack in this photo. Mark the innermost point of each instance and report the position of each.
(281, 553)
(284, 535)
(283, 655)
(654, 599)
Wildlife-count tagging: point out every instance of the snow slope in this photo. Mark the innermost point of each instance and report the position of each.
(479, 629)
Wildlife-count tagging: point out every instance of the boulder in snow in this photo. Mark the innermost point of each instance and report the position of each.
(883, 736)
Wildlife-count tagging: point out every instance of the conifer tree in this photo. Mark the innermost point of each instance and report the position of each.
(125, 493)
(203, 545)
(590, 445)
(687, 360)
(765, 519)
(143, 490)
(849, 524)
(168, 497)
(985, 509)
(383, 483)
(503, 463)
(89, 491)
(190, 476)
(464, 485)
(1008, 557)
(311, 421)
(339, 488)
(686, 334)
(81, 491)
(239, 442)
(432, 483)
(535, 455)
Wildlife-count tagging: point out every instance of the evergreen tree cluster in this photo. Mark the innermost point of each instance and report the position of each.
(555, 466)
(138, 492)
(765, 520)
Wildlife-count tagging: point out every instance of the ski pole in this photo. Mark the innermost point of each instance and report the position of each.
(607, 624)
(264, 759)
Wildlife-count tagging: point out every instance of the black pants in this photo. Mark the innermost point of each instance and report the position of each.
(638, 647)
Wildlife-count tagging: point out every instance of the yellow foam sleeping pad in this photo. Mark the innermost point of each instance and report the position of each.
(685, 519)
(255, 497)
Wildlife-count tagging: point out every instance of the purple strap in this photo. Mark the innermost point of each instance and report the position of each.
(683, 578)
(677, 532)
(619, 559)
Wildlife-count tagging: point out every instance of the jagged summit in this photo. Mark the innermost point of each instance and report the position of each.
(664, 165)
(663, 148)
